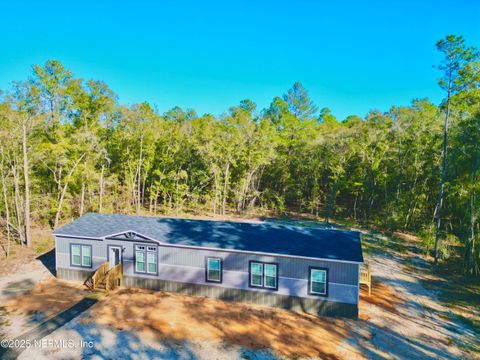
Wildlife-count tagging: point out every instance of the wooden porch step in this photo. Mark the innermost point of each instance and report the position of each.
(103, 276)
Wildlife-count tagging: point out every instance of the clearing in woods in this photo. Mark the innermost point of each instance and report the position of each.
(410, 314)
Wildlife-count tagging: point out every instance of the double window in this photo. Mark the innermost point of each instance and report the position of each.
(81, 255)
(318, 281)
(264, 275)
(145, 259)
(213, 269)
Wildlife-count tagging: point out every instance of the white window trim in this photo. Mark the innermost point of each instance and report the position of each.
(82, 263)
(251, 274)
(219, 269)
(265, 276)
(145, 249)
(79, 254)
(155, 260)
(90, 249)
(311, 282)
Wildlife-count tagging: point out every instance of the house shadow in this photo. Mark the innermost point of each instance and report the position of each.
(110, 343)
(47, 327)
(48, 260)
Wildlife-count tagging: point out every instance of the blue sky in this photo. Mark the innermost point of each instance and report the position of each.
(352, 56)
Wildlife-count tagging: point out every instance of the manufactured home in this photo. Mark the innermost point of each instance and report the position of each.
(303, 269)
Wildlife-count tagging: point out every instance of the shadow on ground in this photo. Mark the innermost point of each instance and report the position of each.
(17, 288)
(48, 260)
(47, 327)
(155, 324)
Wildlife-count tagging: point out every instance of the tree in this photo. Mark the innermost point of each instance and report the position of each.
(352, 120)
(299, 103)
(254, 152)
(53, 82)
(67, 147)
(24, 100)
(460, 72)
(326, 117)
(466, 138)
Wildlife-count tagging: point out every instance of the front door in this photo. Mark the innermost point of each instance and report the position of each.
(114, 255)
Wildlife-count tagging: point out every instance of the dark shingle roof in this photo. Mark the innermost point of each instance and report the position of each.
(258, 237)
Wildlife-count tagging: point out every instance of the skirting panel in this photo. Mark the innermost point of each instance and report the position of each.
(73, 274)
(312, 306)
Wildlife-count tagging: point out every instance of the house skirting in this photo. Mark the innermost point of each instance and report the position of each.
(312, 306)
(73, 274)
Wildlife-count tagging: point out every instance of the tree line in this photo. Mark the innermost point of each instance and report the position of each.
(67, 146)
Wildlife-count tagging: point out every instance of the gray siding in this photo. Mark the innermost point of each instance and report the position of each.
(344, 273)
(188, 266)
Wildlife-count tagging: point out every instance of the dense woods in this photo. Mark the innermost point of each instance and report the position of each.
(67, 146)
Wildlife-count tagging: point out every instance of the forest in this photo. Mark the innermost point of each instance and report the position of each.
(67, 146)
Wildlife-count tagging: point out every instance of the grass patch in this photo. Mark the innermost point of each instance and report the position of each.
(42, 246)
(376, 243)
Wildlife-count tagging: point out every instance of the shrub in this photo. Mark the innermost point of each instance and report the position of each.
(446, 242)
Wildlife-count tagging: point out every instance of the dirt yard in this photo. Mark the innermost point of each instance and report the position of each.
(42, 240)
(402, 319)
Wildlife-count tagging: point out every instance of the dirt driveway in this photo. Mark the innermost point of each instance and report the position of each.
(400, 320)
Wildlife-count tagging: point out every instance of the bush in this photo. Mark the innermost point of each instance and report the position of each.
(446, 242)
(42, 246)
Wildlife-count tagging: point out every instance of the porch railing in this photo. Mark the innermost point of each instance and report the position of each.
(114, 277)
(366, 276)
(100, 275)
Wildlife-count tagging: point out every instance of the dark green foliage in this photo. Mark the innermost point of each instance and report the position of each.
(90, 153)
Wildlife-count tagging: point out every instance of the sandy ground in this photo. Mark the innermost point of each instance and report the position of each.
(401, 320)
(404, 320)
(13, 287)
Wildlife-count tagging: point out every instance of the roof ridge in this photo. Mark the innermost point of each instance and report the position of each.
(268, 222)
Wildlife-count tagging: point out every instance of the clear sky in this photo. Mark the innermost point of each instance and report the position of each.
(352, 56)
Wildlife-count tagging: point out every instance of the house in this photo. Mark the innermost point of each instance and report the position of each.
(306, 269)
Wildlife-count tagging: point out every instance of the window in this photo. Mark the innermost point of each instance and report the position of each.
(81, 255)
(271, 276)
(140, 258)
(146, 259)
(318, 281)
(152, 259)
(76, 257)
(256, 274)
(213, 269)
(264, 275)
(86, 256)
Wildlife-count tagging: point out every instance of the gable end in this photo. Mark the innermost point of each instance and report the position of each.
(131, 236)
